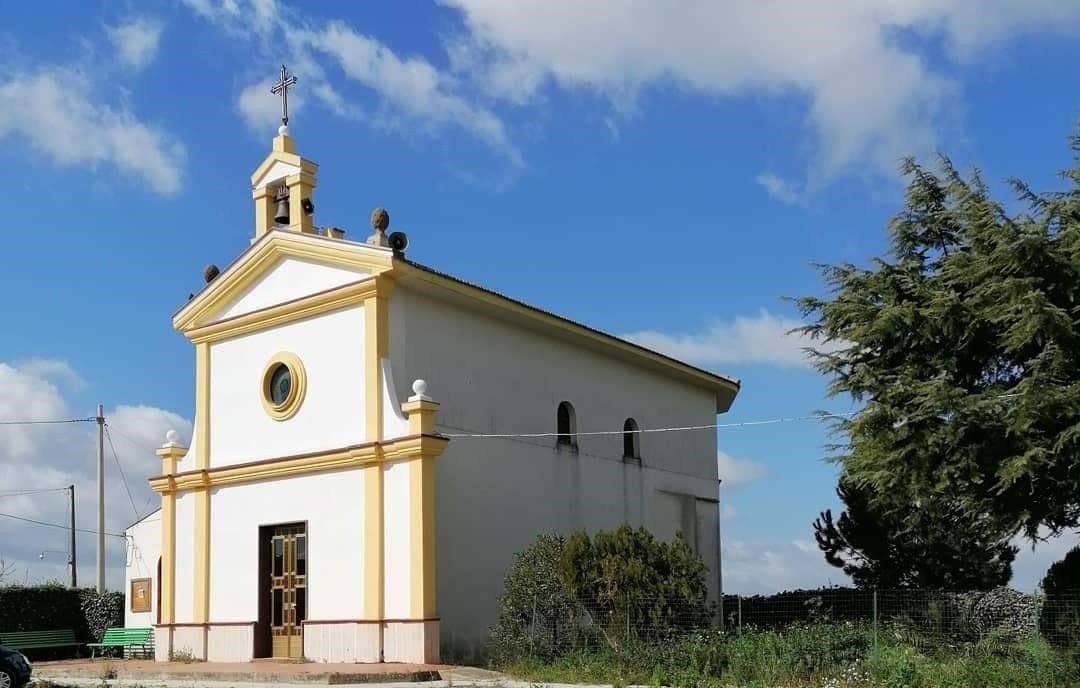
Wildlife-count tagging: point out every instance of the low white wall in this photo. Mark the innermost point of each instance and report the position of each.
(230, 643)
(342, 642)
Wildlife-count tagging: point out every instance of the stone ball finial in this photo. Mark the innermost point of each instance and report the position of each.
(283, 130)
(210, 272)
(380, 219)
(172, 437)
(419, 388)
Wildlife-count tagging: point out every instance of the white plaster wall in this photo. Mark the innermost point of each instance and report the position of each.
(395, 423)
(331, 348)
(396, 544)
(332, 504)
(288, 279)
(230, 643)
(184, 578)
(144, 549)
(493, 496)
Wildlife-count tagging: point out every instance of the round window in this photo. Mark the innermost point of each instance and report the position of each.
(280, 384)
(283, 386)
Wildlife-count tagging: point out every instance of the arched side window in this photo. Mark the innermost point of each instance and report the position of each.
(566, 424)
(631, 440)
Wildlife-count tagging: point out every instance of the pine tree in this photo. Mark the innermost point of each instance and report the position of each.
(963, 347)
(928, 546)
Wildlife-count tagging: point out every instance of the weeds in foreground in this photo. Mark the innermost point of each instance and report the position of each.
(108, 671)
(182, 656)
(821, 656)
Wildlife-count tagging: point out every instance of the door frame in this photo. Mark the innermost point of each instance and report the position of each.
(264, 642)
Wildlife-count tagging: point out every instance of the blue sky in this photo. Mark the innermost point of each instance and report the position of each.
(667, 174)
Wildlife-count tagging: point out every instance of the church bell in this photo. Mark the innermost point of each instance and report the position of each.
(281, 215)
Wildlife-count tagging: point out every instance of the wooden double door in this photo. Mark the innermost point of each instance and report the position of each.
(284, 586)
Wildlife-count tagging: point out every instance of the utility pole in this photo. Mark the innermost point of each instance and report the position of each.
(71, 553)
(100, 499)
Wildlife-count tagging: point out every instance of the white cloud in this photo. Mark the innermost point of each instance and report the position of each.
(734, 472)
(136, 41)
(412, 93)
(780, 189)
(871, 93)
(59, 114)
(52, 369)
(763, 338)
(260, 109)
(1031, 564)
(47, 457)
(767, 566)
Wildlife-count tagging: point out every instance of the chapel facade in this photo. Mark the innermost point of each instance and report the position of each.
(365, 459)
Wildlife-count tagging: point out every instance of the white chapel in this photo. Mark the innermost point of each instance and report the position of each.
(332, 504)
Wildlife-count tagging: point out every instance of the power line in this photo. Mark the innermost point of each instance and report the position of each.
(686, 428)
(48, 422)
(122, 476)
(20, 493)
(55, 525)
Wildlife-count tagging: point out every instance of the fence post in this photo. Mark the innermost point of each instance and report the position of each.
(1035, 609)
(532, 630)
(875, 617)
(739, 598)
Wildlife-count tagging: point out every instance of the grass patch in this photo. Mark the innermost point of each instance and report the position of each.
(827, 656)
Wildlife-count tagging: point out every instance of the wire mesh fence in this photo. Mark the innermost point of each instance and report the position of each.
(918, 617)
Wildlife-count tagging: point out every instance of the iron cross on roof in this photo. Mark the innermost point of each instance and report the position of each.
(281, 88)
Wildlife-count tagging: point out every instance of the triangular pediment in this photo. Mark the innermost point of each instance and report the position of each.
(281, 266)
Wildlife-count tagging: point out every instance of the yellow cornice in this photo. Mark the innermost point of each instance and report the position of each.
(270, 469)
(289, 311)
(261, 255)
(285, 157)
(725, 389)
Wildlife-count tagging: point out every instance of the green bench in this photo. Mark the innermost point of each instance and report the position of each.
(126, 638)
(36, 640)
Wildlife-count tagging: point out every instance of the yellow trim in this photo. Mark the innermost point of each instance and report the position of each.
(201, 604)
(202, 405)
(289, 157)
(261, 255)
(297, 388)
(376, 348)
(283, 143)
(724, 388)
(168, 558)
(422, 535)
(272, 316)
(169, 454)
(331, 460)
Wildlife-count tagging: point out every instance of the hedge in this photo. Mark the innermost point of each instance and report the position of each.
(53, 607)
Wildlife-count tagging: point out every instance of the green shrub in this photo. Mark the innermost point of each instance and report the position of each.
(630, 582)
(534, 606)
(1059, 621)
(53, 606)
